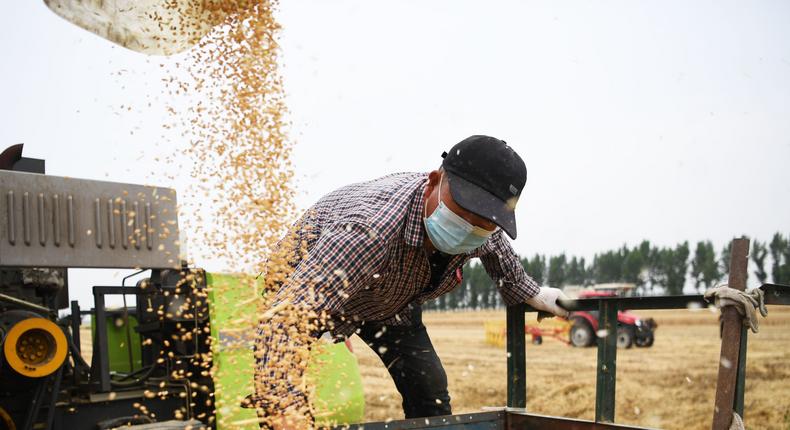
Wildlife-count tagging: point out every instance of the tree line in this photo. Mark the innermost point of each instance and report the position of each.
(653, 269)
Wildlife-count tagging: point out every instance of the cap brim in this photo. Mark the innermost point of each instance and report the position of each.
(480, 202)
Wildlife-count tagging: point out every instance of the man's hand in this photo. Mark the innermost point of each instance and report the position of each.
(546, 300)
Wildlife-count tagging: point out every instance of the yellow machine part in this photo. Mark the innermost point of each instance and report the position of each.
(6, 420)
(35, 347)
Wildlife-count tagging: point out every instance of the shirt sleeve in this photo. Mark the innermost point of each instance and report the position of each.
(504, 267)
(342, 261)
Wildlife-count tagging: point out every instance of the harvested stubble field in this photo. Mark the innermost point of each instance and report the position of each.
(671, 385)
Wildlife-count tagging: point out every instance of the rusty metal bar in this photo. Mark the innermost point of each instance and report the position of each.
(730, 339)
(516, 357)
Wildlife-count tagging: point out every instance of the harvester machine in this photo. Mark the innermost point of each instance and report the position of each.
(158, 359)
(147, 361)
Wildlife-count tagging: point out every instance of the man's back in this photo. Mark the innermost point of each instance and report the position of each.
(378, 205)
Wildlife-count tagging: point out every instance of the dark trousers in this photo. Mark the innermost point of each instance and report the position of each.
(408, 354)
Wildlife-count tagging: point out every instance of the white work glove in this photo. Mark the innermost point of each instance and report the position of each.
(546, 300)
(747, 303)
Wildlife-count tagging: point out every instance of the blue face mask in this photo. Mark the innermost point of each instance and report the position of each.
(452, 234)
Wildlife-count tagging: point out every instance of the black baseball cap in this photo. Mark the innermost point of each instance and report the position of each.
(486, 177)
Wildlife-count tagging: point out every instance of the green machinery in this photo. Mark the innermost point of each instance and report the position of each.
(339, 397)
(159, 360)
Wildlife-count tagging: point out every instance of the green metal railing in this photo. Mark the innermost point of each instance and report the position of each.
(606, 368)
(730, 381)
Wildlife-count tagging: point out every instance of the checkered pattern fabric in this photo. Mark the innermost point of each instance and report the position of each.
(365, 261)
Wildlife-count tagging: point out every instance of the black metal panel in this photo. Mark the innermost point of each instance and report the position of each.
(85, 416)
(776, 294)
(516, 357)
(522, 421)
(475, 421)
(606, 373)
(76, 320)
(692, 301)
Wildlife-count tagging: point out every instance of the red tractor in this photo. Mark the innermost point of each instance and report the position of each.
(631, 330)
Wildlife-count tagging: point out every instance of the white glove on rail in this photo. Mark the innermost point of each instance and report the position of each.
(546, 300)
(747, 303)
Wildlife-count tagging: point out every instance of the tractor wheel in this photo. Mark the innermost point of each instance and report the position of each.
(625, 337)
(581, 333)
(645, 342)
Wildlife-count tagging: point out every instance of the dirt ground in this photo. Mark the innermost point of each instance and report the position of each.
(671, 385)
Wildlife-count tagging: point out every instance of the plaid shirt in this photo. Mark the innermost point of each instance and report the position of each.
(365, 260)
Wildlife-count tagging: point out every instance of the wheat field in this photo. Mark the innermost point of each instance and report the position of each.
(671, 385)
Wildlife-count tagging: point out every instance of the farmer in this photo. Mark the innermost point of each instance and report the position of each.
(377, 250)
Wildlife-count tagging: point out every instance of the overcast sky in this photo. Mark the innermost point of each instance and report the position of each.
(667, 121)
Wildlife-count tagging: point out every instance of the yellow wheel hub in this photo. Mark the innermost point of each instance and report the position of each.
(35, 347)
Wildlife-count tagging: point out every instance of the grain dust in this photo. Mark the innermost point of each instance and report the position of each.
(239, 205)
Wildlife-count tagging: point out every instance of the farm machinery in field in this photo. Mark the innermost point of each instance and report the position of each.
(181, 353)
(581, 328)
(631, 329)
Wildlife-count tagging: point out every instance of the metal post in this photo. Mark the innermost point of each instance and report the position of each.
(100, 342)
(607, 362)
(730, 339)
(516, 357)
(76, 319)
(740, 381)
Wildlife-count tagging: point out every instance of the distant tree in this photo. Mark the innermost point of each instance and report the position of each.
(786, 265)
(535, 268)
(704, 267)
(557, 270)
(577, 273)
(724, 261)
(655, 272)
(634, 263)
(480, 287)
(758, 253)
(780, 254)
(608, 267)
(473, 287)
(646, 266)
(668, 268)
(483, 288)
(645, 255)
(677, 268)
